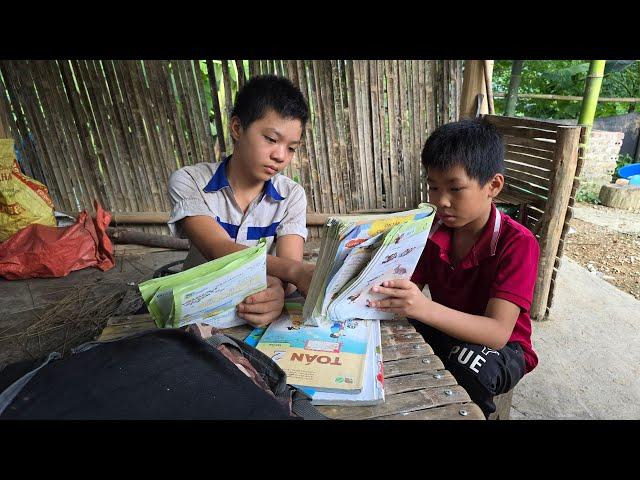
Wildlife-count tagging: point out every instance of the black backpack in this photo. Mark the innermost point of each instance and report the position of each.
(157, 375)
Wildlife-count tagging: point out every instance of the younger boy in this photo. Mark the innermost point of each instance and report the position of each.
(479, 264)
(227, 206)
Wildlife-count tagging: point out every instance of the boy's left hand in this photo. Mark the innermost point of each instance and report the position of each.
(404, 298)
(263, 307)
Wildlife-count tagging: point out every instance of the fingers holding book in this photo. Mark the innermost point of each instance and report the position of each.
(403, 297)
(263, 307)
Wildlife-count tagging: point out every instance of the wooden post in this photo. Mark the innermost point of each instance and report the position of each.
(488, 83)
(514, 84)
(564, 168)
(473, 84)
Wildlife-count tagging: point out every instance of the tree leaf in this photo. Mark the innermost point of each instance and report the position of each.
(617, 65)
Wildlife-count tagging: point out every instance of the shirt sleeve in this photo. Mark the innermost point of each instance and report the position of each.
(186, 200)
(294, 221)
(517, 271)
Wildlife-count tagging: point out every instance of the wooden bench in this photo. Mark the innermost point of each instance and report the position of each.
(417, 386)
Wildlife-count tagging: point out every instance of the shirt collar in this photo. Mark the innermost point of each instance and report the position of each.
(484, 247)
(220, 181)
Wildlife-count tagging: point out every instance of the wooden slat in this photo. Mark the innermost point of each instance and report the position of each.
(353, 148)
(368, 188)
(407, 366)
(310, 140)
(399, 352)
(90, 159)
(400, 403)
(101, 134)
(529, 160)
(184, 95)
(515, 147)
(406, 140)
(516, 191)
(375, 151)
(523, 122)
(384, 106)
(48, 132)
(132, 102)
(199, 87)
(213, 84)
(516, 182)
(447, 412)
(321, 137)
(333, 150)
(19, 126)
(418, 381)
(128, 156)
(538, 147)
(539, 181)
(120, 160)
(393, 196)
(401, 339)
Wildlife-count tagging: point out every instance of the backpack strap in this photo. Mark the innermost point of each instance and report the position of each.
(301, 405)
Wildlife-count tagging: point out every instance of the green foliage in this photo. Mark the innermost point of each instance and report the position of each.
(567, 77)
(624, 159)
(588, 195)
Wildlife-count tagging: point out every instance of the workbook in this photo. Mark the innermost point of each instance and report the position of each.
(207, 293)
(358, 253)
(331, 358)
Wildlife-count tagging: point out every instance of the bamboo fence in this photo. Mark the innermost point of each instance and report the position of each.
(114, 130)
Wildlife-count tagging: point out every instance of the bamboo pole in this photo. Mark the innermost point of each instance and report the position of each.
(591, 94)
(565, 163)
(488, 75)
(473, 84)
(514, 84)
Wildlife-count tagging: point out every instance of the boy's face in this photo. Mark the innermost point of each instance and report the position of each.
(461, 200)
(267, 146)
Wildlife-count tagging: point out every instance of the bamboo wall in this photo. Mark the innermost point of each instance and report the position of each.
(115, 130)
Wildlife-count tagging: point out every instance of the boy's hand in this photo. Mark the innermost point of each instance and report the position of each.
(404, 298)
(263, 307)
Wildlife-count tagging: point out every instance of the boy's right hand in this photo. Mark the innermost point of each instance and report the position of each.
(261, 308)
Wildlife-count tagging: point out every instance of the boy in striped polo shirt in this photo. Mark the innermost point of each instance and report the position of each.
(227, 206)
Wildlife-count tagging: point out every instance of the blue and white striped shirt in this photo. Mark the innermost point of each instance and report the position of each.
(203, 189)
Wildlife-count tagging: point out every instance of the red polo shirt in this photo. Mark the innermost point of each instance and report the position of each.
(503, 263)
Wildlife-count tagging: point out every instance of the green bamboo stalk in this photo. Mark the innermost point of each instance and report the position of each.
(591, 94)
(514, 84)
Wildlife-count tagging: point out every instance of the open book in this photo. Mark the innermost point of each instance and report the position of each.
(208, 293)
(359, 252)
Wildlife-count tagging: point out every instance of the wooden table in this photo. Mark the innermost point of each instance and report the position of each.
(417, 387)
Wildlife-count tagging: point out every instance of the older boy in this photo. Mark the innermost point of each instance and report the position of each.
(227, 206)
(479, 264)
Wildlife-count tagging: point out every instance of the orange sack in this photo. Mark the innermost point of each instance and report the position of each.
(39, 251)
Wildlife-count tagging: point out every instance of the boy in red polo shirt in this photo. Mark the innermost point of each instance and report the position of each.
(479, 264)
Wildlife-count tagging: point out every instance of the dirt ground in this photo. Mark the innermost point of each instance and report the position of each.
(606, 242)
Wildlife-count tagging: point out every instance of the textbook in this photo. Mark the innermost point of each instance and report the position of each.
(360, 252)
(207, 293)
(330, 358)
(373, 381)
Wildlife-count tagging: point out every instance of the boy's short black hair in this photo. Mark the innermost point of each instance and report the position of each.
(266, 92)
(475, 144)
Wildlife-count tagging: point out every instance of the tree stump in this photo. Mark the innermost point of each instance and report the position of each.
(626, 197)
